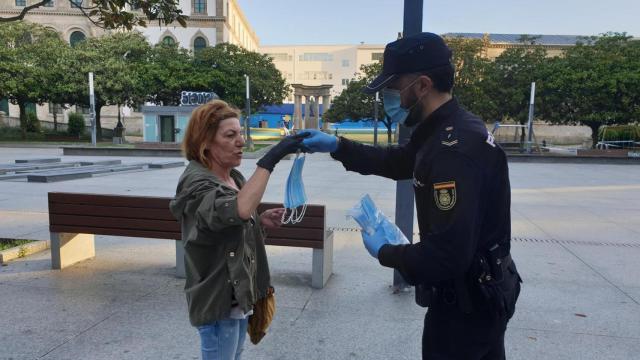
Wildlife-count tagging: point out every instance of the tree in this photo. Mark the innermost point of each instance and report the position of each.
(170, 71)
(117, 14)
(224, 66)
(508, 82)
(471, 67)
(27, 54)
(119, 63)
(353, 104)
(594, 85)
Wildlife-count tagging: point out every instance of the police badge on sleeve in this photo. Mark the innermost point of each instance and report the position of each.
(444, 194)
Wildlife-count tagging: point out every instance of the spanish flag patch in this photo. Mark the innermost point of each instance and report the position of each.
(444, 194)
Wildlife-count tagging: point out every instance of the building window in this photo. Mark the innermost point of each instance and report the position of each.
(168, 40)
(21, 2)
(345, 62)
(377, 56)
(48, 3)
(4, 106)
(345, 82)
(76, 37)
(330, 76)
(198, 44)
(316, 57)
(280, 56)
(200, 6)
(76, 3)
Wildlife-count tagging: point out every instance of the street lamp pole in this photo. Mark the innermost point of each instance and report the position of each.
(375, 120)
(248, 115)
(92, 110)
(404, 188)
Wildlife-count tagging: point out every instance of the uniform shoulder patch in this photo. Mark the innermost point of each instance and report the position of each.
(444, 195)
(449, 137)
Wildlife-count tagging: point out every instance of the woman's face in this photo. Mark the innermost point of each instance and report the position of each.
(225, 149)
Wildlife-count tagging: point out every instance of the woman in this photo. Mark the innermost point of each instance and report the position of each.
(225, 259)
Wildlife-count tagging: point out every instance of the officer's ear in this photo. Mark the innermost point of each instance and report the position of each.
(424, 85)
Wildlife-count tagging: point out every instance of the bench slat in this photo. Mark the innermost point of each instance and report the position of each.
(111, 200)
(115, 223)
(294, 243)
(115, 232)
(296, 233)
(110, 211)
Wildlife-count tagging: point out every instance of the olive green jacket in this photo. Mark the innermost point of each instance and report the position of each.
(225, 259)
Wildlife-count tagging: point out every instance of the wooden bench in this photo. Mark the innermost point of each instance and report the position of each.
(75, 218)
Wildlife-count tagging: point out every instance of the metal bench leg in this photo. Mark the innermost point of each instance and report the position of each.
(322, 263)
(180, 260)
(68, 249)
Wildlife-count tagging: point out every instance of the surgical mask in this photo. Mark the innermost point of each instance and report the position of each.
(295, 198)
(393, 104)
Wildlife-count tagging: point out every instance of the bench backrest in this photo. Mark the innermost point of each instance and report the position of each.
(147, 216)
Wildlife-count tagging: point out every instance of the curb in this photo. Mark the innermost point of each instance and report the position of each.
(24, 250)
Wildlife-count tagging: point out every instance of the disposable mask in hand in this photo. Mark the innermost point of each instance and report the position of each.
(371, 219)
(295, 199)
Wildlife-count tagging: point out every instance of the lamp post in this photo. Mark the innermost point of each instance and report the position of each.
(247, 116)
(375, 120)
(404, 189)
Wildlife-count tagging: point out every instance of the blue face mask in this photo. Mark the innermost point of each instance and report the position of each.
(295, 198)
(393, 104)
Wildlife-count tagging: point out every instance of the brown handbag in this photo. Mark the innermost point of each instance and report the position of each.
(263, 312)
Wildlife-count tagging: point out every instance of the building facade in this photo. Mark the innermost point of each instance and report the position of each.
(313, 65)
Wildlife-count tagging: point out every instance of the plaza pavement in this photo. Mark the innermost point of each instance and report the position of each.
(577, 230)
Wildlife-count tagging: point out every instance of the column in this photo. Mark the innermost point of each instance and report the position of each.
(307, 110)
(316, 112)
(326, 104)
(297, 113)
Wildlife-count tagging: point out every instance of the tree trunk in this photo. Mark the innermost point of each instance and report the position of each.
(98, 125)
(594, 134)
(55, 119)
(23, 119)
(389, 132)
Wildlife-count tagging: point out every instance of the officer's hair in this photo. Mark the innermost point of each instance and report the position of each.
(202, 128)
(442, 77)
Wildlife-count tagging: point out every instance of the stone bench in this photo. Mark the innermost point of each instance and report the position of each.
(75, 219)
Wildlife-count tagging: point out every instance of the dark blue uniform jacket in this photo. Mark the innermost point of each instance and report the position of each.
(462, 192)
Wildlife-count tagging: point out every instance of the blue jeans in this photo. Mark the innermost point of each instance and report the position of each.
(223, 339)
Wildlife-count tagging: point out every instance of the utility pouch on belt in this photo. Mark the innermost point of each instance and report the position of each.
(498, 281)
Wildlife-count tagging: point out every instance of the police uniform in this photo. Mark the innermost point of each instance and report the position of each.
(461, 267)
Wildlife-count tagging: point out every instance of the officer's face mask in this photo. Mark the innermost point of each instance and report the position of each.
(295, 198)
(393, 105)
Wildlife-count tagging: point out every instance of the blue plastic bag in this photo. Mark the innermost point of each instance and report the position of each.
(371, 219)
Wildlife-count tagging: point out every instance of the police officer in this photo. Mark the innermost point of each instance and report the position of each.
(462, 268)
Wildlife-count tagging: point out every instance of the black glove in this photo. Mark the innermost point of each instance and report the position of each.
(286, 146)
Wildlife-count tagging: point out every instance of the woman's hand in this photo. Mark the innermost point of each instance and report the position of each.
(272, 218)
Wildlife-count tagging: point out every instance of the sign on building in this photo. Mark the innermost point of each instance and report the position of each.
(197, 97)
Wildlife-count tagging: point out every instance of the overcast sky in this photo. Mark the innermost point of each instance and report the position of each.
(379, 21)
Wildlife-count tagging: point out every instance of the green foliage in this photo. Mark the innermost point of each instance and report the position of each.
(170, 71)
(114, 14)
(223, 68)
(76, 124)
(27, 53)
(619, 133)
(596, 83)
(508, 81)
